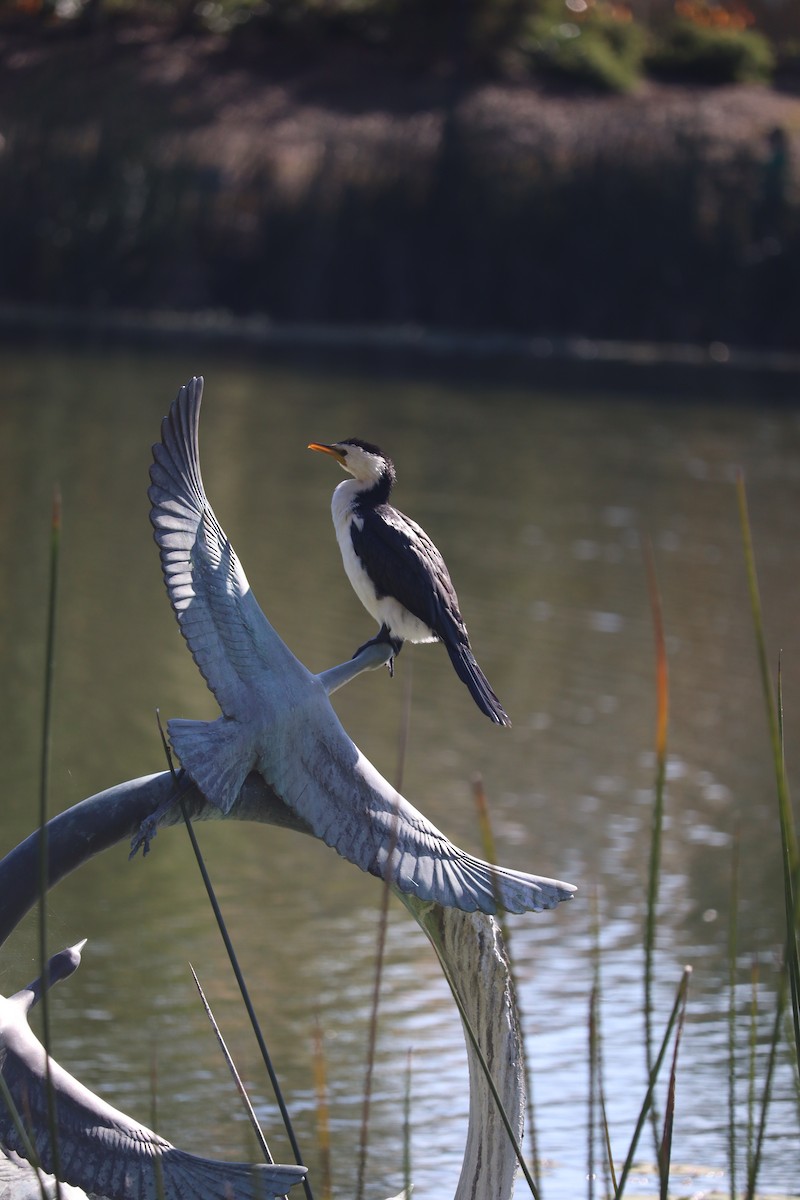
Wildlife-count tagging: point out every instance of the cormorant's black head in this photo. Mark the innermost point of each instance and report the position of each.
(364, 461)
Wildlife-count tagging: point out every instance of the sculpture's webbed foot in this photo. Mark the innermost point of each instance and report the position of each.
(384, 637)
(149, 826)
(144, 835)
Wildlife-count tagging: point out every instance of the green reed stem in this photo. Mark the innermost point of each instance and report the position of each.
(665, 1149)
(237, 1079)
(44, 779)
(785, 810)
(372, 1036)
(733, 929)
(789, 982)
(490, 854)
(235, 967)
(380, 954)
(481, 1057)
(654, 867)
(751, 1069)
(774, 708)
(28, 1147)
(680, 1000)
(407, 1172)
(323, 1111)
(755, 1159)
(791, 895)
(245, 994)
(597, 1072)
(590, 1120)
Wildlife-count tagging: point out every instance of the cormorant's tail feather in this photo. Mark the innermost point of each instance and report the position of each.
(481, 690)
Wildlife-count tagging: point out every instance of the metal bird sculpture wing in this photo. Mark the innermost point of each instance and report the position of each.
(276, 715)
(99, 1148)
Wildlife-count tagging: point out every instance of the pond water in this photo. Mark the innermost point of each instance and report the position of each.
(540, 500)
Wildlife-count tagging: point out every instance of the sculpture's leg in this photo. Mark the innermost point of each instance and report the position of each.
(384, 638)
(472, 955)
(372, 655)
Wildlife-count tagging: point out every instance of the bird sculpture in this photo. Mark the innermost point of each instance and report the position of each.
(277, 718)
(100, 1149)
(395, 569)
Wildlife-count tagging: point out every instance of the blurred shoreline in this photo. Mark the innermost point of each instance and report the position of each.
(331, 186)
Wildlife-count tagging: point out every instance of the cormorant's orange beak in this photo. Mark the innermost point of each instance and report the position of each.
(332, 450)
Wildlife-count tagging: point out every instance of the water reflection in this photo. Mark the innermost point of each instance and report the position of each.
(540, 502)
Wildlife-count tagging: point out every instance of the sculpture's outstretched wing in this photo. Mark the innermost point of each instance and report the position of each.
(350, 806)
(231, 640)
(278, 718)
(100, 1149)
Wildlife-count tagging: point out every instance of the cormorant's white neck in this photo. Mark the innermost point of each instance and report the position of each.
(348, 496)
(367, 489)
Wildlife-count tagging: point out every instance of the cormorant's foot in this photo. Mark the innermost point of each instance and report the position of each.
(383, 637)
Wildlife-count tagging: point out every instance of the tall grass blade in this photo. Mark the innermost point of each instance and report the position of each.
(158, 1166)
(755, 1160)
(786, 816)
(785, 813)
(612, 1173)
(237, 1079)
(490, 854)
(323, 1112)
(235, 967)
(245, 994)
(654, 868)
(653, 1077)
(590, 1121)
(405, 724)
(732, 972)
(407, 1172)
(44, 779)
(596, 1058)
(372, 1036)
(481, 1057)
(30, 1150)
(751, 1073)
(791, 894)
(380, 953)
(665, 1149)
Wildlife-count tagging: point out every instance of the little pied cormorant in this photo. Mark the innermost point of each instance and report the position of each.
(395, 569)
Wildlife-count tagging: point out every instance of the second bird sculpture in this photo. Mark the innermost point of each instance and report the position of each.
(395, 569)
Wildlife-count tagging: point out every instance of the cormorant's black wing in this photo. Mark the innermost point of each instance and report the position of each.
(403, 562)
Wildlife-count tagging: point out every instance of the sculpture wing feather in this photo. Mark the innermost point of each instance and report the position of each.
(352, 808)
(105, 1152)
(228, 635)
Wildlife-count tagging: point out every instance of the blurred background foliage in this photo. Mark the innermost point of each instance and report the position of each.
(439, 163)
(597, 43)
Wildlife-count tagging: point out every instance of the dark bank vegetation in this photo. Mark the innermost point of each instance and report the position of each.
(468, 166)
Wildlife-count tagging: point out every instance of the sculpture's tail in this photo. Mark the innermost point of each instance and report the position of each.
(213, 754)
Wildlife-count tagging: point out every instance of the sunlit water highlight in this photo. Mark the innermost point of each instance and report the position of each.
(540, 501)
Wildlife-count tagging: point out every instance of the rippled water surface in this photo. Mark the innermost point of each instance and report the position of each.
(540, 501)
